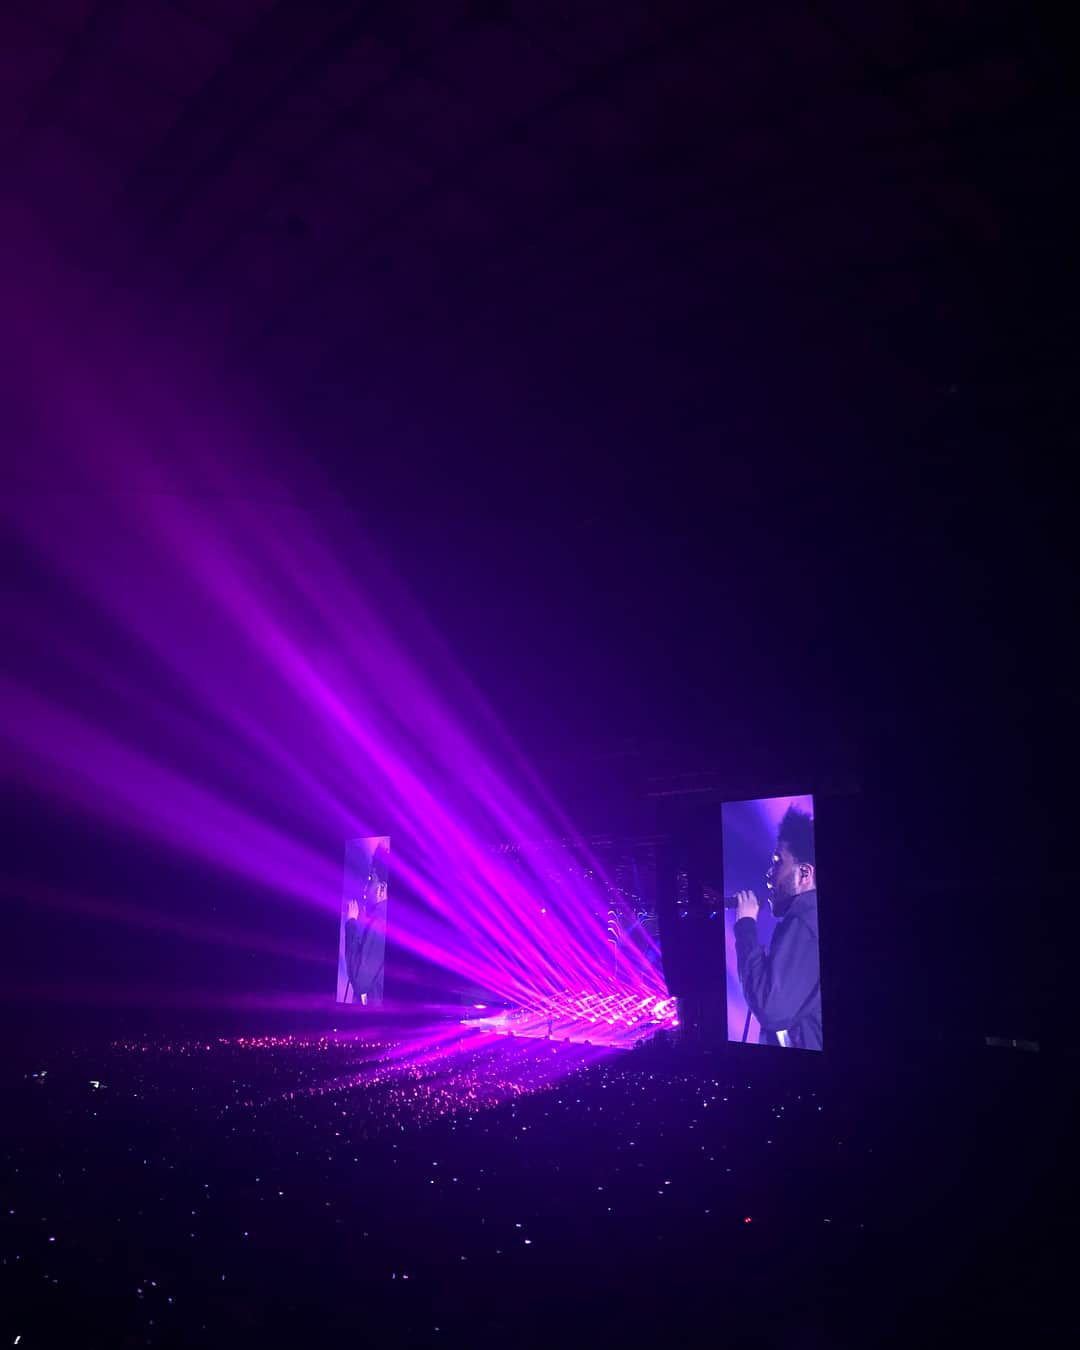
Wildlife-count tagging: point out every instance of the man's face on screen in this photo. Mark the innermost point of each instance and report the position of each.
(786, 878)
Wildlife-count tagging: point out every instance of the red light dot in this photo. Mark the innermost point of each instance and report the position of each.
(748, 1219)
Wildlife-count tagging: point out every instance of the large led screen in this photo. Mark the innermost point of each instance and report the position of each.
(362, 935)
(771, 938)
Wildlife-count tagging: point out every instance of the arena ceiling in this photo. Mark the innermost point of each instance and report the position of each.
(766, 310)
(601, 239)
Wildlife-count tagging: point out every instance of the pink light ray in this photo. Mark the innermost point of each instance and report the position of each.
(442, 771)
(155, 920)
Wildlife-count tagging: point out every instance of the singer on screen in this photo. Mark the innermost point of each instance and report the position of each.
(365, 932)
(782, 986)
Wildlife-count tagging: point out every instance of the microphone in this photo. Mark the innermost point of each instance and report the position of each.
(713, 897)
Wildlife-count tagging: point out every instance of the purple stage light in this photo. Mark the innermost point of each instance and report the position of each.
(244, 682)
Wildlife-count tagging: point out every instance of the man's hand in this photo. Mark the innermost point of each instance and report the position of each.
(747, 907)
(352, 910)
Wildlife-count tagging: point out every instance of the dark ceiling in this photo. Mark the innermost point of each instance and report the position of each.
(592, 221)
(761, 313)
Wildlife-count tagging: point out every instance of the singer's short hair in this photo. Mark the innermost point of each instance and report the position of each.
(797, 831)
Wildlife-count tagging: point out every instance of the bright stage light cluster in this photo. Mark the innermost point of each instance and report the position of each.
(612, 1019)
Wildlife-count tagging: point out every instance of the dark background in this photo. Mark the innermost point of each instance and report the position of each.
(707, 377)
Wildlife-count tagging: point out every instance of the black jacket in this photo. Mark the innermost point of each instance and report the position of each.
(354, 957)
(783, 985)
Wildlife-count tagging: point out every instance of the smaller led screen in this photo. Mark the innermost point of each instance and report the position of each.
(362, 935)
